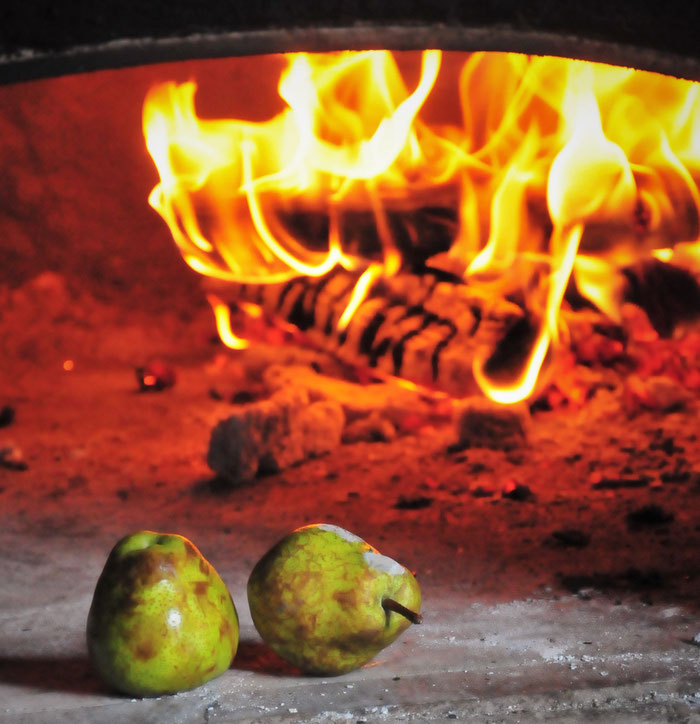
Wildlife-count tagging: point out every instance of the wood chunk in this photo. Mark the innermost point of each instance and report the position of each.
(479, 422)
(271, 435)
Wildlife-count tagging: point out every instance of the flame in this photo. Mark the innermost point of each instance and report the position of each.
(566, 172)
(222, 315)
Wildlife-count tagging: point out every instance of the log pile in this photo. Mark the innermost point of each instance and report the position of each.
(424, 328)
(425, 325)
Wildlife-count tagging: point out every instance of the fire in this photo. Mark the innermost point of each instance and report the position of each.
(563, 172)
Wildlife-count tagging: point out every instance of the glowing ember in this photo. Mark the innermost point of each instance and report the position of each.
(560, 169)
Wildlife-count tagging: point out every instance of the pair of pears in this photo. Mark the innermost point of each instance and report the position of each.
(163, 621)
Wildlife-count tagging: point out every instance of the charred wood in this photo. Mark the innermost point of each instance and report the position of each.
(423, 328)
(667, 293)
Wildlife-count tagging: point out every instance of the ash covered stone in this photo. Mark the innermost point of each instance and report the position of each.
(270, 435)
(482, 423)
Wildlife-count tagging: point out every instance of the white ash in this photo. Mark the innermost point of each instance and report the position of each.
(270, 435)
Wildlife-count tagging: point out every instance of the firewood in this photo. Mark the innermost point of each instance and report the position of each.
(270, 435)
(485, 424)
(418, 232)
(424, 328)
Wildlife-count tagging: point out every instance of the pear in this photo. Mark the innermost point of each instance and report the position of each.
(326, 601)
(161, 619)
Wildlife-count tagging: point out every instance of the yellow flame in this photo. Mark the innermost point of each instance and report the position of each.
(562, 170)
(222, 314)
(359, 292)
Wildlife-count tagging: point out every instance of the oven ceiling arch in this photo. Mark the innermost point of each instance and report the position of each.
(44, 38)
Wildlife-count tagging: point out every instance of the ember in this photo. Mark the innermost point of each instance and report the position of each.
(12, 458)
(155, 376)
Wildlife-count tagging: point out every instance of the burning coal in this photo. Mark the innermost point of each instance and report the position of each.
(561, 175)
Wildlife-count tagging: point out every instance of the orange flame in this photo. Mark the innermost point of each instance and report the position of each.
(556, 162)
(222, 314)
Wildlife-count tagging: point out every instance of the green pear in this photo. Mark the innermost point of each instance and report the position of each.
(161, 619)
(328, 602)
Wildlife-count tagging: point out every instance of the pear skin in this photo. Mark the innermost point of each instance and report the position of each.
(327, 601)
(161, 619)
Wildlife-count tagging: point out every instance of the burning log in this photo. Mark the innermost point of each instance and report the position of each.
(419, 229)
(426, 329)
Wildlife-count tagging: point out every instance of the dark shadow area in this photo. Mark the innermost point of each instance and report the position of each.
(73, 674)
(255, 656)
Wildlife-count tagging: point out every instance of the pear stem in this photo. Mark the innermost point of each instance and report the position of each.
(390, 605)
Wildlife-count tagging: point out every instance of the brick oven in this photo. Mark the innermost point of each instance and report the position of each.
(490, 371)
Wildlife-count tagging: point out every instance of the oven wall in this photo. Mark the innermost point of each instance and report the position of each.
(76, 178)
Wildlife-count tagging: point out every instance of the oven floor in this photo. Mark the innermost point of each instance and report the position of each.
(519, 624)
